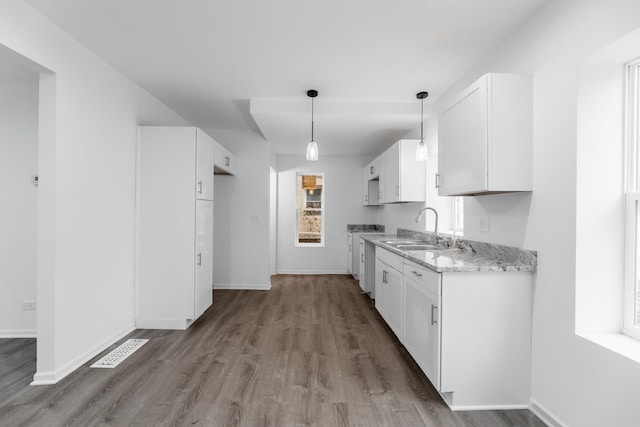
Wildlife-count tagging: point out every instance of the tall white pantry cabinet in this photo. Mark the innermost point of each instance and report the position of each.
(174, 226)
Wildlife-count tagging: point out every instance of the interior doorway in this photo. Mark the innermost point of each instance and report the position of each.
(21, 115)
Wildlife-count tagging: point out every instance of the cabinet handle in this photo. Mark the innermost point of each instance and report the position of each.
(372, 170)
(350, 248)
(199, 187)
(227, 161)
(437, 180)
(379, 196)
(366, 197)
(397, 190)
(384, 276)
(361, 257)
(416, 273)
(434, 318)
(200, 259)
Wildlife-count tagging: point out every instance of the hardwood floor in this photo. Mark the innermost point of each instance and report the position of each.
(312, 351)
(17, 365)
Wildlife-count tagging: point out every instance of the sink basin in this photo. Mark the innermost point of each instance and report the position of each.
(419, 247)
(414, 245)
(403, 242)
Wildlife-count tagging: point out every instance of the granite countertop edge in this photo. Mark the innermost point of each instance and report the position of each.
(464, 256)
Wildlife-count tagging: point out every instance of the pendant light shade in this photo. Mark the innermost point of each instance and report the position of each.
(312, 151)
(421, 150)
(312, 147)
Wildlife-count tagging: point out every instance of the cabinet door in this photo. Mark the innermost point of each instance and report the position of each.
(350, 252)
(462, 142)
(204, 166)
(370, 183)
(395, 297)
(391, 178)
(203, 257)
(373, 169)
(381, 288)
(224, 161)
(365, 186)
(362, 275)
(422, 328)
(355, 255)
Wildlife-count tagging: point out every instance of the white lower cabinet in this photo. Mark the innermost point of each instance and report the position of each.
(390, 290)
(204, 257)
(470, 332)
(359, 257)
(422, 322)
(350, 252)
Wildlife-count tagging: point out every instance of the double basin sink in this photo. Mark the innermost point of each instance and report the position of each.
(414, 245)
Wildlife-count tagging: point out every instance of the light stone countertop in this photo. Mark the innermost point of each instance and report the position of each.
(462, 256)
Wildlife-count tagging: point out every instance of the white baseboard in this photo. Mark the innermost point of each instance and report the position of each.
(487, 407)
(241, 287)
(544, 414)
(175, 324)
(313, 272)
(18, 333)
(52, 377)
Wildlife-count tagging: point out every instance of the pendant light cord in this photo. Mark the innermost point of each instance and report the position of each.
(312, 120)
(421, 119)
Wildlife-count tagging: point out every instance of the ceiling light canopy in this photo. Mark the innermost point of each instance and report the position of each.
(312, 147)
(421, 151)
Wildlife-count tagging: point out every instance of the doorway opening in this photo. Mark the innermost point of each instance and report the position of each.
(21, 115)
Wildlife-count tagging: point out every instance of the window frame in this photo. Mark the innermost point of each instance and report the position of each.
(631, 302)
(322, 210)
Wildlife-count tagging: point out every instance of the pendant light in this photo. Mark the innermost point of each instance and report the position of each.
(312, 147)
(421, 150)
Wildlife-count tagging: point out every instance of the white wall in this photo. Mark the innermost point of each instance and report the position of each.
(19, 213)
(343, 205)
(241, 214)
(86, 194)
(574, 381)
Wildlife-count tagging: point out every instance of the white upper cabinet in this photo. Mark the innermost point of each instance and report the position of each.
(204, 166)
(395, 176)
(373, 169)
(485, 136)
(371, 183)
(403, 178)
(224, 160)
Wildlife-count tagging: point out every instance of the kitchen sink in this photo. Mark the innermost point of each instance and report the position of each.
(419, 247)
(403, 242)
(414, 245)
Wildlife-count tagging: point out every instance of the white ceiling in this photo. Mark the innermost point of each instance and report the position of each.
(213, 61)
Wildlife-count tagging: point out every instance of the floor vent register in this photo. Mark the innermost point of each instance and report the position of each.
(116, 356)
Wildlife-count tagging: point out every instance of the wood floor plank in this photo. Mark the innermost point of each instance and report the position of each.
(312, 351)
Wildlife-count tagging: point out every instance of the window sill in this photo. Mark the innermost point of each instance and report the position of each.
(623, 345)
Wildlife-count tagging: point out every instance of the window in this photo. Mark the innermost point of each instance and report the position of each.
(631, 323)
(457, 215)
(309, 209)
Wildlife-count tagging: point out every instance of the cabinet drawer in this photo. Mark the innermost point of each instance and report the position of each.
(421, 275)
(393, 260)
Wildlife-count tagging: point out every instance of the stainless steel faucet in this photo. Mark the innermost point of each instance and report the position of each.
(428, 208)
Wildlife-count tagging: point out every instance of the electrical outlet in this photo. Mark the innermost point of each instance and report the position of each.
(28, 305)
(484, 224)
